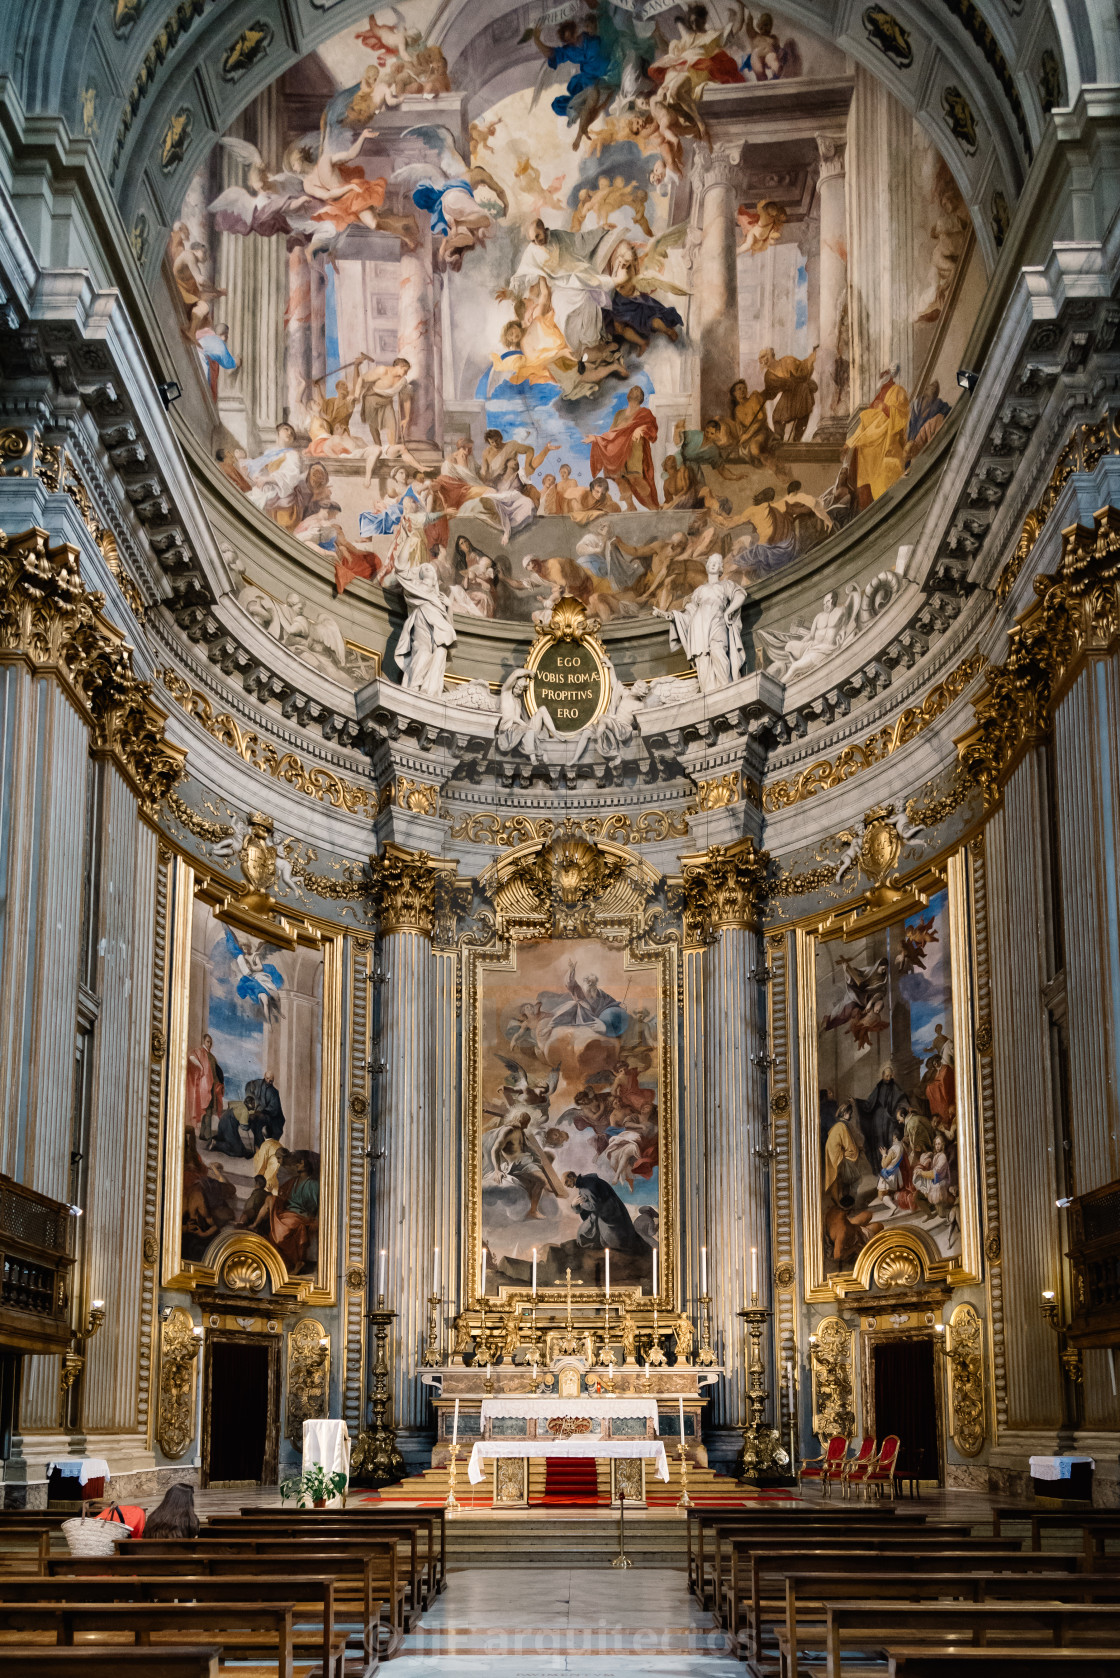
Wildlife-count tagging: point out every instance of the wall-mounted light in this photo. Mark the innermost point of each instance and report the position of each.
(169, 392)
(1066, 1200)
(967, 379)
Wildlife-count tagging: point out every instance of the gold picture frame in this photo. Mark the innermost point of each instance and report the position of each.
(960, 1269)
(260, 1258)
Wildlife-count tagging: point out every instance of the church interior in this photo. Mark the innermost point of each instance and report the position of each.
(572, 548)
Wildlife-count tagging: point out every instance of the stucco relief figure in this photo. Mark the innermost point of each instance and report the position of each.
(428, 630)
(707, 629)
(616, 729)
(800, 649)
(516, 731)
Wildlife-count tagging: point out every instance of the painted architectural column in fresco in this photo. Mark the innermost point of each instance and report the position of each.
(716, 285)
(880, 197)
(833, 371)
(418, 339)
(297, 331)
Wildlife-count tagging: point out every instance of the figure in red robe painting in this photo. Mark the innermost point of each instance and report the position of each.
(622, 452)
(206, 1094)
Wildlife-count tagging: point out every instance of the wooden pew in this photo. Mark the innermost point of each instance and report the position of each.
(431, 1519)
(876, 1624)
(774, 1561)
(143, 1619)
(423, 1567)
(198, 1660)
(807, 1594)
(699, 1521)
(25, 1548)
(1096, 1526)
(314, 1600)
(721, 1531)
(1002, 1663)
(360, 1591)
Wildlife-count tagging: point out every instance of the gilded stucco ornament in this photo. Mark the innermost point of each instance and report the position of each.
(830, 1360)
(179, 1348)
(648, 828)
(1086, 447)
(309, 1356)
(50, 620)
(965, 1357)
(725, 886)
(1076, 614)
(404, 889)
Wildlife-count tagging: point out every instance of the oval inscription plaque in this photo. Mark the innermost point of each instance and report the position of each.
(569, 682)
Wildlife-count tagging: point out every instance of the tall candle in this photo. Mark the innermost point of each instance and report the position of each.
(534, 1273)
(607, 1259)
(789, 1385)
(647, 1371)
(680, 1409)
(754, 1271)
(703, 1270)
(455, 1427)
(482, 1289)
(381, 1275)
(435, 1269)
(654, 1250)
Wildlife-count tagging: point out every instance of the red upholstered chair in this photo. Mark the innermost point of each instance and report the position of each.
(882, 1471)
(828, 1467)
(857, 1468)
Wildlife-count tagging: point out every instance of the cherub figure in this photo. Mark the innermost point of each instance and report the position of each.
(761, 227)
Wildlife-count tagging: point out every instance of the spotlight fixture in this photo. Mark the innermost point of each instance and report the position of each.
(1066, 1200)
(75, 1211)
(967, 379)
(170, 392)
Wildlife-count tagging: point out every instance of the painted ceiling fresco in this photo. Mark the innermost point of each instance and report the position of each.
(632, 287)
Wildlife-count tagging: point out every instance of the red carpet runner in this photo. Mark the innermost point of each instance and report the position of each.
(570, 1480)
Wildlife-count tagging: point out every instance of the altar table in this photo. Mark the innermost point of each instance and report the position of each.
(534, 1407)
(513, 1489)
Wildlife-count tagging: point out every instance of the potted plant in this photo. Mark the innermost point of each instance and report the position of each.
(314, 1486)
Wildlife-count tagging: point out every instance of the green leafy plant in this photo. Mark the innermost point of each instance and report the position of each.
(313, 1486)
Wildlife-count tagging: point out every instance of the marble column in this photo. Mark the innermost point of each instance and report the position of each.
(715, 277)
(1021, 938)
(833, 371)
(417, 339)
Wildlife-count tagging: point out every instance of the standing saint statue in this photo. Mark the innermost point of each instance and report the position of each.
(428, 630)
(707, 628)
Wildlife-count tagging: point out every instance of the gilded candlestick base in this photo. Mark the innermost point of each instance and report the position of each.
(684, 1501)
(451, 1503)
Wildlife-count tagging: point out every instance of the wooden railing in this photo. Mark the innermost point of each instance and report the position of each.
(34, 1270)
(1094, 1254)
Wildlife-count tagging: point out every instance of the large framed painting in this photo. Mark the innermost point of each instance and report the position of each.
(570, 1142)
(251, 1099)
(887, 1090)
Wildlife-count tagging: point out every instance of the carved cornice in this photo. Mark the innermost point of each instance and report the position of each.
(725, 886)
(409, 889)
(1076, 616)
(52, 622)
(1086, 447)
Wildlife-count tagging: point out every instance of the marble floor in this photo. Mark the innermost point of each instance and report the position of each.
(592, 1623)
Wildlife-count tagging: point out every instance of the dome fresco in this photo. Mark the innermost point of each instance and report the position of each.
(569, 317)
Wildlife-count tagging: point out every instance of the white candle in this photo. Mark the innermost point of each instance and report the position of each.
(488, 1372)
(655, 1272)
(455, 1425)
(588, 1339)
(534, 1273)
(482, 1289)
(703, 1270)
(607, 1259)
(647, 1371)
(381, 1275)
(754, 1271)
(789, 1385)
(680, 1408)
(435, 1269)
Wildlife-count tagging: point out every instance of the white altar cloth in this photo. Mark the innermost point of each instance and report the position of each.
(530, 1404)
(586, 1447)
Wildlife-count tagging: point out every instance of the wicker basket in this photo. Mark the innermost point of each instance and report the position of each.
(94, 1537)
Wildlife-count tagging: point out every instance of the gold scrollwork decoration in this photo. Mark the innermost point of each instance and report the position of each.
(831, 1364)
(179, 1348)
(309, 1363)
(649, 828)
(965, 1356)
(15, 445)
(407, 794)
(1087, 445)
(48, 618)
(1075, 615)
(509, 1479)
(320, 784)
(832, 772)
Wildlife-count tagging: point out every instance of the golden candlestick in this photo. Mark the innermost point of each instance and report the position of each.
(684, 1501)
(452, 1502)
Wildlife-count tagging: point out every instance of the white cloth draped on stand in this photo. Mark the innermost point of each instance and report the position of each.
(327, 1441)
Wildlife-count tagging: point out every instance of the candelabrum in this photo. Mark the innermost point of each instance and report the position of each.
(1068, 1356)
(380, 1461)
(684, 1501)
(655, 1354)
(705, 1357)
(452, 1502)
(432, 1356)
(74, 1359)
(762, 1452)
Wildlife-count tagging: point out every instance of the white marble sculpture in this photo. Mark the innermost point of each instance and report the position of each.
(616, 728)
(421, 651)
(314, 636)
(707, 628)
(795, 651)
(517, 732)
(474, 695)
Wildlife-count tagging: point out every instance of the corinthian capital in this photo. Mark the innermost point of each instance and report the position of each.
(412, 892)
(831, 153)
(725, 886)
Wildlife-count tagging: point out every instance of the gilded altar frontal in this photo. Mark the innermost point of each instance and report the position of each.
(559, 718)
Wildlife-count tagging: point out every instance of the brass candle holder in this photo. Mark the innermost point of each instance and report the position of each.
(432, 1356)
(762, 1452)
(451, 1502)
(684, 1501)
(705, 1357)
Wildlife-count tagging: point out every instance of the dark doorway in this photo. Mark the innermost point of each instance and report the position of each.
(11, 1365)
(906, 1404)
(241, 1410)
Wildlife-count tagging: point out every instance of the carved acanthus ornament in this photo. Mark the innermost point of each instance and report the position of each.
(725, 886)
(965, 1357)
(649, 828)
(831, 1363)
(309, 1365)
(405, 890)
(179, 1347)
(51, 621)
(1076, 616)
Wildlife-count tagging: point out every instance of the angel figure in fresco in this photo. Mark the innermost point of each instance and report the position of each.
(607, 198)
(346, 193)
(761, 227)
(609, 57)
(444, 189)
(864, 1007)
(699, 55)
(912, 956)
(647, 129)
(258, 981)
(512, 1155)
(532, 189)
(636, 310)
(386, 40)
(274, 201)
(768, 59)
